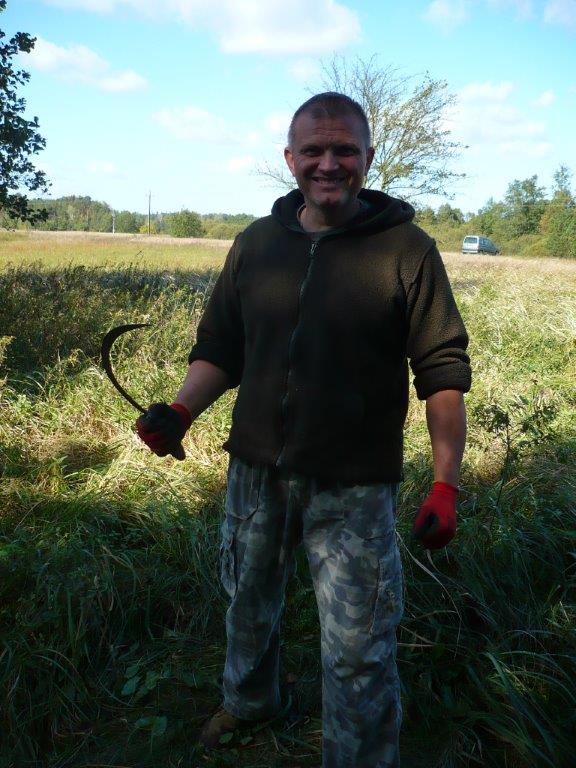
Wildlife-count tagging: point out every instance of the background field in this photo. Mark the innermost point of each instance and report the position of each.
(111, 614)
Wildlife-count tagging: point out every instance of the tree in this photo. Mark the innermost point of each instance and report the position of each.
(425, 216)
(19, 138)
(152, 229)
(185, 224)
(561, 236)
(559, 220)
(449, 216)
(524, 205)
(407, 118)
(562, 182)
(126, 221)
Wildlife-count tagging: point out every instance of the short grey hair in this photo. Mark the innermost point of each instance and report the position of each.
(331, 104)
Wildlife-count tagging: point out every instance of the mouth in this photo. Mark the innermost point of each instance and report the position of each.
(329, 181)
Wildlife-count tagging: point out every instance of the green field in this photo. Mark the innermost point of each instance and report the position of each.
(111, 613)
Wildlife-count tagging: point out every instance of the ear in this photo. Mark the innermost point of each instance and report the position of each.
(369, 157)
(289, 157)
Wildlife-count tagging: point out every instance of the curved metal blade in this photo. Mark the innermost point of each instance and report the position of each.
(107, 342)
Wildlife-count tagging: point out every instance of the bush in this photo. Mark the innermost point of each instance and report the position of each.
(185, 224)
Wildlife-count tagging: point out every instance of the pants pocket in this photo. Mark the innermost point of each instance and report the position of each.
(228, 561)
(242, 502)
(389, 599)
(244, 489)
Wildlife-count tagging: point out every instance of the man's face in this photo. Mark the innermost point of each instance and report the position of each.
(329, 160)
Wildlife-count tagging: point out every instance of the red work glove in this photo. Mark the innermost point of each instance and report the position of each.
(435, 523)
(162, 428)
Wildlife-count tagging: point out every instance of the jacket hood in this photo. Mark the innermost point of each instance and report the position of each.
(381, 211)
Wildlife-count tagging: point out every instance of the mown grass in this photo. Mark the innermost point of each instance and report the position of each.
(47, 250)
(111, 614)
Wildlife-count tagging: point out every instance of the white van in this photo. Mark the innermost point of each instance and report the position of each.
(479, 244)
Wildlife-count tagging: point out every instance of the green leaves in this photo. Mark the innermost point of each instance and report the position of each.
(156, 724)
(19, 137)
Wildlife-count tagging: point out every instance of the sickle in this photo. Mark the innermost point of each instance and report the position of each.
(176, 450)
(107, 342)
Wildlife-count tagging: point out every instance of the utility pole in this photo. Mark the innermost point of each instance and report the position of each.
(149, 201)
(113, 222)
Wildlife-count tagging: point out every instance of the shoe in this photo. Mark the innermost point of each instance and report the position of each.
(220, 724)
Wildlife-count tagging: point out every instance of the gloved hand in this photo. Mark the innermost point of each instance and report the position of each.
(435, 523)
(162, 428)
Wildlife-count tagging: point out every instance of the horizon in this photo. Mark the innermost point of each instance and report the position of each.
(121, 122)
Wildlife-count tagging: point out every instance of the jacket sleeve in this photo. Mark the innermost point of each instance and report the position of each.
(220, 335)
(437, 339)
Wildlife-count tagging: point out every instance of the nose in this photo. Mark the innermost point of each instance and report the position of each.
(328, 161)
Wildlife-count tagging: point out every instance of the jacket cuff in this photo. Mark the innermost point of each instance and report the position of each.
(428, 383)
(220, 359)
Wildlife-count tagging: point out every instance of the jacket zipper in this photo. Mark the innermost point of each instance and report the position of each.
(286, 397)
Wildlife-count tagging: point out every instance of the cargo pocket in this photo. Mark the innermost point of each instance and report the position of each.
(242, 502)
(389, 600)
(244, 488)
(227, 561)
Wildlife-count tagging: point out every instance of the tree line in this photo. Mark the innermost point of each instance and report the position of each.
(527, 221)
(412, 158)
(82, 214)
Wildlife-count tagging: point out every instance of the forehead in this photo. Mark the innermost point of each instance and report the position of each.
(341, 129)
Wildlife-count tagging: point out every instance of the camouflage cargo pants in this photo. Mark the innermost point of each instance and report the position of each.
(348, 533)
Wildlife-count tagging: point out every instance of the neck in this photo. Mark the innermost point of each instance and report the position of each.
(317, 220)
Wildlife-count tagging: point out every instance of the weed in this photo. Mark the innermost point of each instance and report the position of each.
(111, 614)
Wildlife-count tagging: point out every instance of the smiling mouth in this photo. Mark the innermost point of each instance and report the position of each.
(329, 181)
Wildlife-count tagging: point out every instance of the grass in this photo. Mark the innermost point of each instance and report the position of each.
(111, 615)
(46, 250)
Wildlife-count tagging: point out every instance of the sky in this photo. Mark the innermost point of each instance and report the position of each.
(179, 102)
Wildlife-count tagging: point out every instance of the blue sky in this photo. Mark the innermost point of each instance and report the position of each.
(185, 98)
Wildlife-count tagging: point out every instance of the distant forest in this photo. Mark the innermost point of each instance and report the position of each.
(528, 221)
(82, 214)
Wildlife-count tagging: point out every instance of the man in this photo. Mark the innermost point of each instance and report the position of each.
(314, 317)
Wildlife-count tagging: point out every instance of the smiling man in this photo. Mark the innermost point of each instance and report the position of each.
(317, 315)
(329, 158)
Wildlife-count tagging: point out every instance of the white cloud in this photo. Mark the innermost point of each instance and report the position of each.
(102, 168)
(485, 92)
(251, 26)
(79, 63)
(545, 99)
(446, 15)
(524, 8)
(484, 117)
(193, 123)
(123, 82)
(242, 163)
(535, 149)
(274, 27)
(77, 60)
(305, 70)
(101, 6)
(278, 123)
(196, 124)
(562, 12)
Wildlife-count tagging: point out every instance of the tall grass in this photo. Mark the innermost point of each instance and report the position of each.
(111, 613)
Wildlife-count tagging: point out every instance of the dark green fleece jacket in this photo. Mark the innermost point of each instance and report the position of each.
(317, 334)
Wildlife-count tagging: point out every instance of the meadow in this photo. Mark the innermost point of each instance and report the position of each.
(111, 612)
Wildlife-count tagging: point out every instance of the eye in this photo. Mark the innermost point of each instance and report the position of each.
(347, 151)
